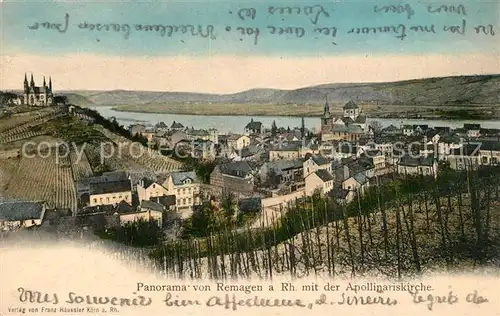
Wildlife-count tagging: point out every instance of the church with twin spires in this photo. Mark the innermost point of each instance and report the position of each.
(350, 127)
(37, 95)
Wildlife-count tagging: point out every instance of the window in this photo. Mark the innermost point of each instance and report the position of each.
(485, 159)
(189, 200)
(107, 199)
(183, 201)
(95, 200)
(154, 186)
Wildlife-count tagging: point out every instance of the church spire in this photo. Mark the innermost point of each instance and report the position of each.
(44, 82)
(32, 82)
(26, 86)
(50, 84)
(327, 107)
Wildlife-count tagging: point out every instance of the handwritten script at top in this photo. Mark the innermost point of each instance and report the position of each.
(295, 22)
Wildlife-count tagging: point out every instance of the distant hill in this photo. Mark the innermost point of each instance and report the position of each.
(451, 91)
(77, 99)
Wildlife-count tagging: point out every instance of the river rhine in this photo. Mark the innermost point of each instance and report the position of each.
(236, 124)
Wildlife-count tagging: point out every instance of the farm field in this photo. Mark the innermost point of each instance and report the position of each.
(44, 179)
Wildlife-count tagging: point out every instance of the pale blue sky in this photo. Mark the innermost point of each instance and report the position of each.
(18, 39)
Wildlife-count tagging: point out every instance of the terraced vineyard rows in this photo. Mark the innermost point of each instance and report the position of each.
(43, 179)
(25, 134)
(26, 129)
(80, 165)
(16, 120)
(140, 155)
(112, 162)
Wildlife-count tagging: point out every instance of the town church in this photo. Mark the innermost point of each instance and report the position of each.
(350, 127)
(37, 96)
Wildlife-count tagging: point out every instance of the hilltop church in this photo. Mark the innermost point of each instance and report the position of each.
(350, 127)
(37, 96)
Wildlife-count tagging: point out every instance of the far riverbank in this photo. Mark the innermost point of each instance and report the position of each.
(373, 111)
(236, 123)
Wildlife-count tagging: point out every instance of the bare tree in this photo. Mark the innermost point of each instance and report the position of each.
(376, 126)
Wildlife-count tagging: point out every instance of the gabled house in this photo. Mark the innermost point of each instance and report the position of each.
(315, 163)
(358, 183)
(233, 176)
(284, 171)
(253, 127)
(320, 179)
(186, 187)
(237, 141)
(21, 214)
(176, 126)
(147, 188)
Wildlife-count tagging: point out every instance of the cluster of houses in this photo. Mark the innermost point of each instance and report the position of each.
(344, 160)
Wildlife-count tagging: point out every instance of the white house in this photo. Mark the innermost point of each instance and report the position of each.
(320, 179)
(315, 163)
(238, 141)
(146, 189)
(186, 187)
(21, 214)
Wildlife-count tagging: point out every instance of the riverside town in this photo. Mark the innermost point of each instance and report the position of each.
(353, 184)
